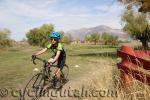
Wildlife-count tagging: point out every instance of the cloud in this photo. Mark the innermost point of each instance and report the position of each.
(74, 22)
(22, 15)
(29, 9)
(114, 8)
(19, 15)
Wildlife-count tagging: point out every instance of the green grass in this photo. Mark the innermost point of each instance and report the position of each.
(97, 66)
(16, 65)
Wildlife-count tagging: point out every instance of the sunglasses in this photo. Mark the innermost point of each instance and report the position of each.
(53, 39)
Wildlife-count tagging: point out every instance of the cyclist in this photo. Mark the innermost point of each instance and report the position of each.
(59, 55)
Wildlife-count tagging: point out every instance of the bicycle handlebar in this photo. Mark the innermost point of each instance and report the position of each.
(35, 57)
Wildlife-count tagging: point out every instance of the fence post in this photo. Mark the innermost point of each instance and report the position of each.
(126, 76)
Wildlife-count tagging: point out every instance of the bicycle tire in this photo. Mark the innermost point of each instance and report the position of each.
(39, 80)
(65, 72)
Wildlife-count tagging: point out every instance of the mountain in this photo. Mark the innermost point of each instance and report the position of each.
(80, 33)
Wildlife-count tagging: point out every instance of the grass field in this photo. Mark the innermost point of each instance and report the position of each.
(15, 62)
(89, 65)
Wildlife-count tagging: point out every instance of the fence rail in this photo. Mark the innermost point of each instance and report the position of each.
(135, 64)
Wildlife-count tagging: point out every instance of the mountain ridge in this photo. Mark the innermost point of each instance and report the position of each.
(82, 32)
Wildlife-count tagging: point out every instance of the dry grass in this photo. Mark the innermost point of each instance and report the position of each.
(133, 90)
(97, 69)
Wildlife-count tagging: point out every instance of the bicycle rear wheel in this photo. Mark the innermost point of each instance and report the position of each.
(34, 87)
(65, 73)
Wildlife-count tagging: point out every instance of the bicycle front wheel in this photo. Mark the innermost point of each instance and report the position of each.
(34, 87)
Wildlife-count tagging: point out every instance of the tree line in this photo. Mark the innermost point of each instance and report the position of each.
(134, 23)
(5, 40)
(40, 36)
(105, 38)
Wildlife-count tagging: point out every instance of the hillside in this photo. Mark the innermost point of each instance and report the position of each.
(80, 33)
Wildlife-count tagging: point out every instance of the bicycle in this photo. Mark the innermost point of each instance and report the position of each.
(41, 79)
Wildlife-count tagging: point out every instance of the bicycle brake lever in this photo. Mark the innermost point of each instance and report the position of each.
(33, 60)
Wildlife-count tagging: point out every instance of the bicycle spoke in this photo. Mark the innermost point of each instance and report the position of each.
(65, 72)
(34, 87)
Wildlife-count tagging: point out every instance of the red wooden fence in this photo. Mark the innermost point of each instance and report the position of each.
(135, 64)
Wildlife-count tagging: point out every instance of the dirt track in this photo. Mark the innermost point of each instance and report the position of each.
(101, 79)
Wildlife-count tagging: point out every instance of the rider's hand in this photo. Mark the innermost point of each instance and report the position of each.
(48, 64)
(51, 61)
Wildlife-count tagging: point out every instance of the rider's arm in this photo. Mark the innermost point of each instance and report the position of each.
(40, 52)
(52, 60)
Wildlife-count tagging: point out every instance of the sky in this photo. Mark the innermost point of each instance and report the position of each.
(20, 16)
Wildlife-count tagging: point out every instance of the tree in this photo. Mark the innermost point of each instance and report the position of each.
(113, 39)
(106, 37)
(24, 40)
(4, 34)
(66, 40)
(109, 38)
(40, 36)
(144, 4)
(62, 33)
(87, 38)
(4, 38)
(95, 37)
(137, 26)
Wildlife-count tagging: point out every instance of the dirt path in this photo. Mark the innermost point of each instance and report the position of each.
(101, 79)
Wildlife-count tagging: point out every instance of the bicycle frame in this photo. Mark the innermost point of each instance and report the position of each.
(45, 70)
(38, 81)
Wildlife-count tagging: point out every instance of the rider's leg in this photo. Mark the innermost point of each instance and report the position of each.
(57, 82)
(57, 72)
(60, 65)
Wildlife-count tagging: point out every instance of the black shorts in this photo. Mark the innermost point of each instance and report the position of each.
(61, 62)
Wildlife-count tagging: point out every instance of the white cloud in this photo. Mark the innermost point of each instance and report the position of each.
(20, 16)
(74, 22)
(114, 8)
(35, 9)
